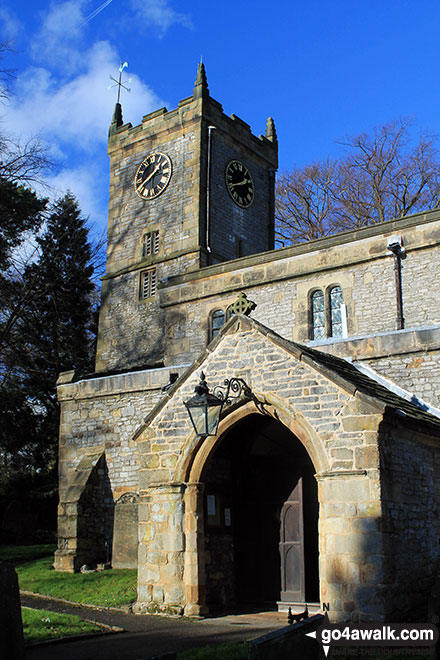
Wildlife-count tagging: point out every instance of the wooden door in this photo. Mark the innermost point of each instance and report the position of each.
(292, 547)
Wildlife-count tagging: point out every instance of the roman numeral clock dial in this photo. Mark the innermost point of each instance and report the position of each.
(153, 175)
(239, 183)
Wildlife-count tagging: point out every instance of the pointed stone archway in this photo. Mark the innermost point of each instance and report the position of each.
(239, 484)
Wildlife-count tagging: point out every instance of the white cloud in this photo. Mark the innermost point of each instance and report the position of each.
(11, 24)
(65, 25)
(56, 43)
(65, 98)
(79, 111)
(73, 118)
(157, 13)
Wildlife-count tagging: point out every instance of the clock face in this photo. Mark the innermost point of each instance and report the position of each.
(153, 175)
(239, 183)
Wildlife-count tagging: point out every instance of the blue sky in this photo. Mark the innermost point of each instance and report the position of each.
(321, 68)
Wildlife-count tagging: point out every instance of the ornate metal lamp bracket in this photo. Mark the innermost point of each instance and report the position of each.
(234, 388)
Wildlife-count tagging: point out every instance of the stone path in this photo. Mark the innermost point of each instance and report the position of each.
(146, 636)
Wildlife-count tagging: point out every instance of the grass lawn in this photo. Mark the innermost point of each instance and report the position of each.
(33, 564)
(41, 625)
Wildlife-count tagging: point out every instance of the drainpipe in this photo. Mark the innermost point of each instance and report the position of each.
(395, 247)
(271, 225)
(208, 195)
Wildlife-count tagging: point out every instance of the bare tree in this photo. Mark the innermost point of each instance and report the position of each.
(21, 161)
(305, 205)
(379, 176)
(6, 74)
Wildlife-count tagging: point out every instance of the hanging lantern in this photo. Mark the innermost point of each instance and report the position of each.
(204, 409)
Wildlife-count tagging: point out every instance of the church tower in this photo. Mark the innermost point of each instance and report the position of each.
(188, 188)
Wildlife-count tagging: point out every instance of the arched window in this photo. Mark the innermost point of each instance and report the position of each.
(318, 315)
(335, 304)
(217, 321)
(327, 315)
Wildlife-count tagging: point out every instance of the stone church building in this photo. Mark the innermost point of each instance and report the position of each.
(321, 483)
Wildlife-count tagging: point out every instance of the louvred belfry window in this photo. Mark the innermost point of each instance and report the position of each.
(150, 243)
(148, 283)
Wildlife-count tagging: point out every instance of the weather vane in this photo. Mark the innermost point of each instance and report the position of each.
(119, 83)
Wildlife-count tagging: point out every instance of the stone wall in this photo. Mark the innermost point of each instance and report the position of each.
(99, 418)
(416, 372)
(236, 231)
(123, 338)
(280, 283)
(175, 211)
(411, 497)
(104, 413)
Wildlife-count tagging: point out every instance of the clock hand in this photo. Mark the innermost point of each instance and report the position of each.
(145, 181)
(239, 183)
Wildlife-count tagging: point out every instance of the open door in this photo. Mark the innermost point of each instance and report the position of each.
(292, 547)
(260, 519)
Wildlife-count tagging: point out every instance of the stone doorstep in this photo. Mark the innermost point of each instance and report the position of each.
(297, 608)
(255, 619)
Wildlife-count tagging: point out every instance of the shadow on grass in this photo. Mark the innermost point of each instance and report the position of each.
(113, 588)
(18, 554)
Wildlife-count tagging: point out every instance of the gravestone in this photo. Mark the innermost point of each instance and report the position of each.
(125, 532)
(11, 625)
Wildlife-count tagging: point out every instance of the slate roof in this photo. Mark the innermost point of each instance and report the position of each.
(331, 365)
